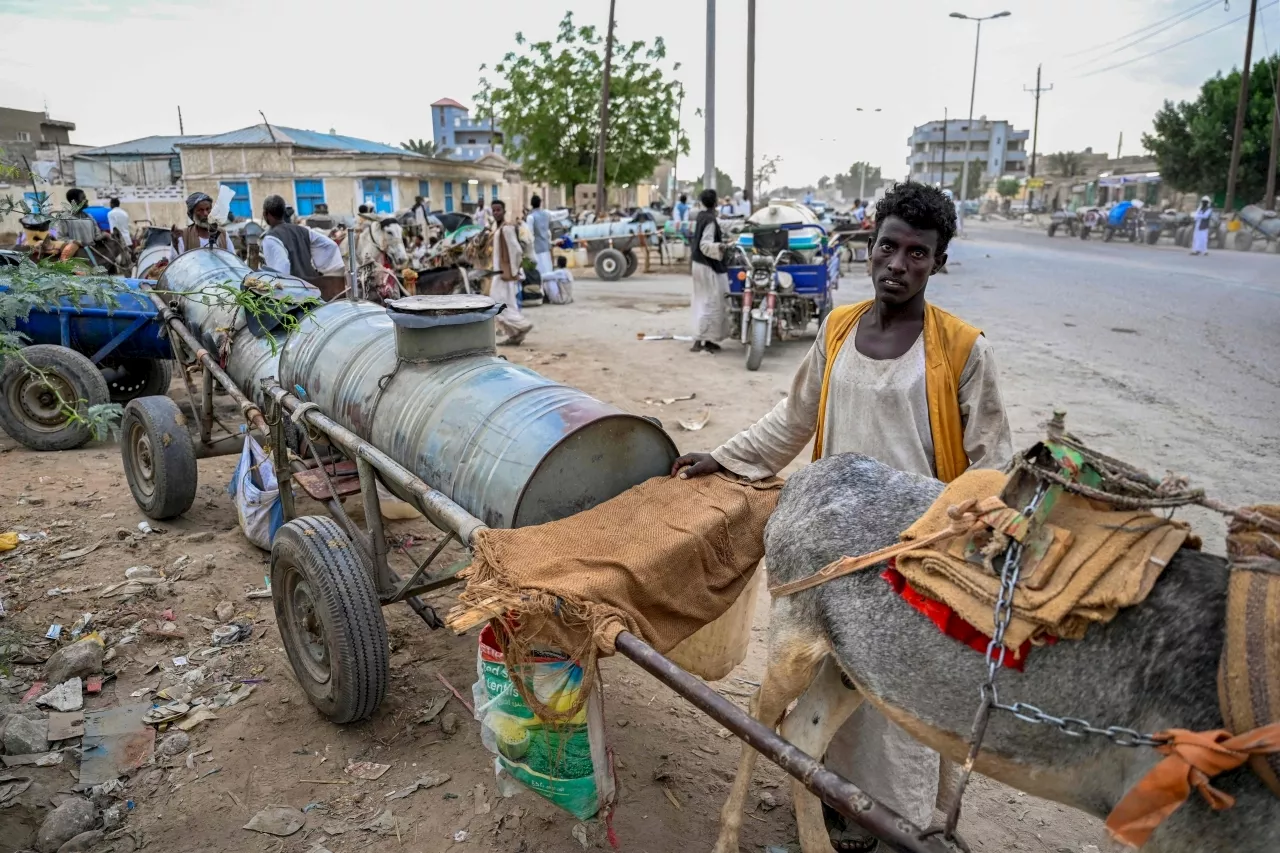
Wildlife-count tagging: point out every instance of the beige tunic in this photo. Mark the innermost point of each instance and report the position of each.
(878, 407)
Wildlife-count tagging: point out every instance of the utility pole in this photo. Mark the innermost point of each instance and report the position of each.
(1120, 145)
(973, 91)
(604, 115)
(749, 183)
(1269, 200)
(181, 132)
(942, 180)
(1035, 132)
(1241, 104)
(709, 109)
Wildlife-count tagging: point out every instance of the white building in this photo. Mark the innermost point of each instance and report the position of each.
(937, 150)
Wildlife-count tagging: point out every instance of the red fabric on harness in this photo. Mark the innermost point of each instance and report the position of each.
(949, 623)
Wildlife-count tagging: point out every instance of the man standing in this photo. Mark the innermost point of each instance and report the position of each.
(680, 213)
(482, 217)
(859, 212)
(197, 233)
(301, 252)
(118, 217)
(1200, 236)
(420, 213)
(710, 285)
(539, 222)
(898, 379)
(504, 287)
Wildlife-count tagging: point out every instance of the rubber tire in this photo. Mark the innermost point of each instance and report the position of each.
(157, 376)
(172, 456)
(1243, 241)
(1153, 237)
(610, 264)
(633, 263)
(1107, 234)
(1053, 226)
(77, 371)
(347, 607)
(755, 348)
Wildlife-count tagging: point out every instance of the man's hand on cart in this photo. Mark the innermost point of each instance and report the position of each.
(695, 465)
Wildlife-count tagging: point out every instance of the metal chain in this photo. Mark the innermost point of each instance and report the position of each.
(1073, 726)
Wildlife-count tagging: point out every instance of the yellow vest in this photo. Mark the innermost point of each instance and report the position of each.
(948, 340)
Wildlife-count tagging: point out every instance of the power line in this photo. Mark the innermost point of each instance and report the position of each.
(1175, 44)
(1151, 34)
(1196, 9)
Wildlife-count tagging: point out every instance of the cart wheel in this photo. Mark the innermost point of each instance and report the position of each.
(329, 618)
(1053, 226)
(34, 386)
(1107, 234)
(755, 349)
(633, 263)
(1153, 237)
(1243, 241)
(159, 457)
(610, 264)
(138, 377)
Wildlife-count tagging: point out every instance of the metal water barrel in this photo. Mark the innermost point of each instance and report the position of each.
(421, 382)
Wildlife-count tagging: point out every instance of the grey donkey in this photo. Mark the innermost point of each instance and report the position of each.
(1153, 667)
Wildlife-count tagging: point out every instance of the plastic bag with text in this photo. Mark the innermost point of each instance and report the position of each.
(566, 763)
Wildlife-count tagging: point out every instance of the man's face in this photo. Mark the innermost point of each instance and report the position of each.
(201, 212)
(902, 260)
(499, 210)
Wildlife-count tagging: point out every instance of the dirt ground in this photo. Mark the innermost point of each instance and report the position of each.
(674, 764)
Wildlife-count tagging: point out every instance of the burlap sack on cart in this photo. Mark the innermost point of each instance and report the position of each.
(661, 560)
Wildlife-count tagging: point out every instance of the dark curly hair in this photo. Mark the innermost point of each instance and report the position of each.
(920, 206)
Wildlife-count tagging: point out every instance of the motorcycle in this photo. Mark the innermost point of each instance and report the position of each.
(776, 301)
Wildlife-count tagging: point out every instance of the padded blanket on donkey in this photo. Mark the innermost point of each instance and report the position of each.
(660, 560)
(1109, 559)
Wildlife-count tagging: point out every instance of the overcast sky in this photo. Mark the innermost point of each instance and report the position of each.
(116, 67)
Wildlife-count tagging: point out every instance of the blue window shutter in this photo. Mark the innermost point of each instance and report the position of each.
(448, 196)
(424, 189)
(495, 192)
(377, 194)
(241, 205)
(308, 194)
(466, 192)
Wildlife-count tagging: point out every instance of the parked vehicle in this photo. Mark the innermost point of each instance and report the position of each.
(1124, 219)
(1065, 220)
(780, 277)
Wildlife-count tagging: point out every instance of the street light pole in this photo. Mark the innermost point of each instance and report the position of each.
(709, 110)
(749, 180)
(973, 91)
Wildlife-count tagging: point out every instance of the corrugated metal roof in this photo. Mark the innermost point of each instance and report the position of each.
(260, 134)
(146, 145)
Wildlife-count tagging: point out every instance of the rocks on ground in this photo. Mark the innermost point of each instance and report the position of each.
(78, 660)
(76, 815)
(23, 736)
(83, 843)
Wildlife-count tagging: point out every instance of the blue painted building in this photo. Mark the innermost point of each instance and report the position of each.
(458, 136)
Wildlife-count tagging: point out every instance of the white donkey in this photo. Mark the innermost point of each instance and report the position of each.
(380, 250)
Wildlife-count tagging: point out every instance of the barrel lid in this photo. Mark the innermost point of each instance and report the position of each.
(453, 303)
(454, 309)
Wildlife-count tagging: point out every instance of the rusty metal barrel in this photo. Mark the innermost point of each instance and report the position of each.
(421, 381)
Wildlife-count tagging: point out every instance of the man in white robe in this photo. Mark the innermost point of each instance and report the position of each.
(505, 285)
(1203, 220)
(710, 282)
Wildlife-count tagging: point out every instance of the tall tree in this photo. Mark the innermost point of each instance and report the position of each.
(420, 146)
(724, 184)
(547, 100)
(850, 183)
(1008, 187)
(1191, 140)
(1066, 164)
(765, 174)
(975, 185)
